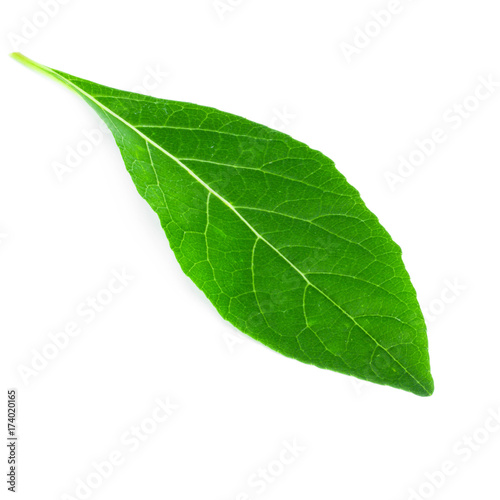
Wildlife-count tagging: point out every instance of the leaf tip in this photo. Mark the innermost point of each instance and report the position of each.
(426, 387)
(29, 63)
(17, 56)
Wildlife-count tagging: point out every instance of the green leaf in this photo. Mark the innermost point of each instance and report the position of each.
(279, 242)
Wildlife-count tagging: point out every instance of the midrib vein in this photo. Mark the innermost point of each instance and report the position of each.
(233, 209)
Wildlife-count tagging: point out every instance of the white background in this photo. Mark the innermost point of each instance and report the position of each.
(277, 62)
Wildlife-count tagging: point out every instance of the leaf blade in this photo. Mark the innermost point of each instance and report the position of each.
(273, 234)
